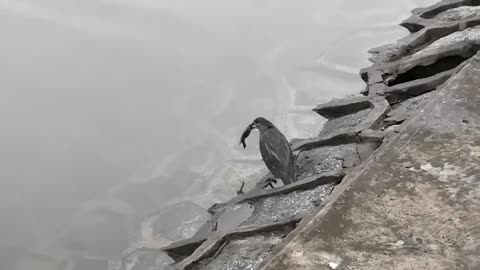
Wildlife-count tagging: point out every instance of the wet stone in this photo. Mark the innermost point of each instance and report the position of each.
(242, 254)
(283, 208)
(457, 14)
(326, 159)
(344, 122)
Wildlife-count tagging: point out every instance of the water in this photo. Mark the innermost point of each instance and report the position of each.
(112, 110)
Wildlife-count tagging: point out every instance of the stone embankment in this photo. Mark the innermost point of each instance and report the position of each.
(391, 182)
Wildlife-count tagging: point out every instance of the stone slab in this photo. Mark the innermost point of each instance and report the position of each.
(214, 245)
(242, 253)
(304, 184)
(429, 24)
(342, 106)
(287, 207)
(407, 109)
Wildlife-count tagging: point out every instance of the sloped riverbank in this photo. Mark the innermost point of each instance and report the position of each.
(391, 182)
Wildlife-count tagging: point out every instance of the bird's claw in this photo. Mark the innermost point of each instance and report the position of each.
(268, 182)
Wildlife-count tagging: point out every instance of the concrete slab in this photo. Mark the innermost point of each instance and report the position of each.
(415, 204)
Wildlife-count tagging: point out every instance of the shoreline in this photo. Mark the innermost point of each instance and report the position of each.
(377, 177)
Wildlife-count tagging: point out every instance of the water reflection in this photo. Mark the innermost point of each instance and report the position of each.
(113, 110)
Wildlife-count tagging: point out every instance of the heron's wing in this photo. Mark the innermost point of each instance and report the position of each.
(277, 154)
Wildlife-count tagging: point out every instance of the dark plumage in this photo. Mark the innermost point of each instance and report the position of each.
(275, 149)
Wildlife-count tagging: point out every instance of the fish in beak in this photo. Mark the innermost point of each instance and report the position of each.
(246, 133)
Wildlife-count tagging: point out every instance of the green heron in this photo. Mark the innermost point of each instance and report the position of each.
(275, 149)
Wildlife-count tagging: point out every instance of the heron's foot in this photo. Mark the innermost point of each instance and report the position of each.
(268, 182)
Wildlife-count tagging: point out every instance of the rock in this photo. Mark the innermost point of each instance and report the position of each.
(283, 208)
(469, 35)
(344, 122)
(241, 254)
(407, 109)
(457, 14)
(407, 90)
(326, 159)
(342, 106)
(388, 53)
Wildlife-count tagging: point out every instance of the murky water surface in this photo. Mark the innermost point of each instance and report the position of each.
(117, 113)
